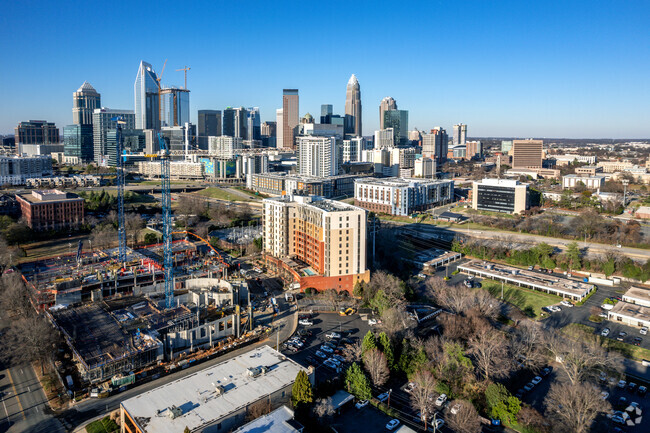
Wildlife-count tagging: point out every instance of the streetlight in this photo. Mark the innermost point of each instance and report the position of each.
(389, 391)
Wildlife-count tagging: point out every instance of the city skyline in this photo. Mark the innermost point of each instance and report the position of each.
(546, 78)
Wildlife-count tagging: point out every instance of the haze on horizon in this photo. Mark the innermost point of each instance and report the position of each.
(571, 69)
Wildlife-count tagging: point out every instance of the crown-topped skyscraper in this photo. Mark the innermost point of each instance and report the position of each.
(353, 107)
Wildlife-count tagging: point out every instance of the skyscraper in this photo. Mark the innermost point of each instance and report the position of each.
(235, 122)
(326, 112)
(253, 124)
(175, 106)
(399, 121)
(353, 107)
(147, 112)
(36, 132)
(318, 156)
(279, 125)
(435, 144)
(209, 126)
(527, 153)
(290, 118)
(460, 133)
(84, 102)
(268, 131)
(78, 142)
(102, 123)
(388, 103)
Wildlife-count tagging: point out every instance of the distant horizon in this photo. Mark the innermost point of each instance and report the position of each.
(571, 69)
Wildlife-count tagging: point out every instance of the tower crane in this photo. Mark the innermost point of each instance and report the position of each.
(186, 68)
(121, 229)
(167, 222)
(159, 79)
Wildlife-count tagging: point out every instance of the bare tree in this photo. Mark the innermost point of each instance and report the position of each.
(489, 349)
(103, 236)
(352, 352)
(531, 419)
(581, 359)
(421, 394)
(466, 419)
(395, 320)
(15, 295)
(8, 255)
(258, 409)
(133, 225)
(29, 339)
(324, 409)
(375, 363)
(527, 343)
(392, 287)
(573, 407)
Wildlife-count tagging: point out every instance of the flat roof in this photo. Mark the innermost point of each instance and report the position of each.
(552, 283)
(638, 293)
(397, 181)
(279, 421)
(197, 396)
(509, 183)
(632, 311)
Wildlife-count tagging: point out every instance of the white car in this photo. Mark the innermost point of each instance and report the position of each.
(604, 332)
(566, 303)
(305, 322)
(604, 395)
(333, 335)
(457, 407)
(536, 380)
(607, 306)
(372, 322)
(622, 383)
(392, 424)
(361, 404)
(441, 400)
(643, 331)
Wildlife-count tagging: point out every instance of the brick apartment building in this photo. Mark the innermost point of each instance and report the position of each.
(51, 209)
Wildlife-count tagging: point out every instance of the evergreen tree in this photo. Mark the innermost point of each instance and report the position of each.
(573, 254)
(301, 392)
(357, 383)
(369, 342)
(386, 347)
(187, 430)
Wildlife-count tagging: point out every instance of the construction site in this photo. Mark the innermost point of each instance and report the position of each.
(125, 312)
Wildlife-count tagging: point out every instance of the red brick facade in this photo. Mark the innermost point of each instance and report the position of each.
(52, 214)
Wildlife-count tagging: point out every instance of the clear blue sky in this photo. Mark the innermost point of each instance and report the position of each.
(505, 68)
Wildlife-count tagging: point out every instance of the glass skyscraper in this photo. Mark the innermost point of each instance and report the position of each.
(175, 106)
(254, 124)
(84, 101)
(147, 111)
(78, 142)
(399, 121)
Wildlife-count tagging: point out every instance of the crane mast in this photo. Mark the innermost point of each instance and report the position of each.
(121, 229)
(167, 222)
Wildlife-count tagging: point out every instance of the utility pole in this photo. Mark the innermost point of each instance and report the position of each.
(389, 391)
(625, 183)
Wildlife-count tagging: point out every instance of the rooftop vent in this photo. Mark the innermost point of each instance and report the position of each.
(253, 371)
(174, 412)
(220, 389)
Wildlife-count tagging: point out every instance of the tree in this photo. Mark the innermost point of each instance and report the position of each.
(258, 409)
(573, 407)
(395, 320)
(29, 339)
(527, 344)
(501, 404)
(353, 352)
(133, 224)
(386, 347)
(369, 342)
(15, 295)
(532, 420)
(376, 365)
(573, 255)
(357, 383)
(301, 392)
(425, 384)
(609, 267)
(103, 236)
(324, 409)
(150, 238)
(187, 429)
(490, 351)
(411, 358)
(466, 420)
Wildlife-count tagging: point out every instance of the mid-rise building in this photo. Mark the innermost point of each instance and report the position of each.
(15, 170)
(435, 144)
(147, 107)
(395, 196)
(52, 210)
(527, 153)
(209, 126)
(326, 111)
(500, 195)
(78, 142)
(175, 108)
(388, 103)
(318, 156)
(328, 236)
(353, 108)
(290, 118)
(102, 123)
(235, 122)
(567, 159)
(178, 170)
(351, 149)
(84, 102)
(36, 132)
(460, 134)
(401, 160)
(133, 142)
(384, 138)
(571, 181)
(321, 129)
(589, 170)
(614, 166)
(424, 168)
(268, 130)
(506, 146)
(254, 164)
(224, 146)
(282, 184)
(399, 121)
(473, 149)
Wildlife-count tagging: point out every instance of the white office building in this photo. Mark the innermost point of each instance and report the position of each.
(224, 146)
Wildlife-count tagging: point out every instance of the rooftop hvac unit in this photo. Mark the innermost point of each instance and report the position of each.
(253, 371)
(220, 389)
(264, 369)
(515, 272)
(174, 412)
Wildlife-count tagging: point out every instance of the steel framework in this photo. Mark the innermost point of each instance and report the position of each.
(167, 222)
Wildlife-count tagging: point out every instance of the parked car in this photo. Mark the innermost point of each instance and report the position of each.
(531, 267)
(604, 395)
(312, 360)
(382, 397)
(545, 372)
(603, 315)
(361, 404)
(566, 303)
(604, 332)
(305, 322)
(392, 424)
(642, 391)
(621, 336)
(441, 400)
(339, 358)
(331, 335)
(643, 331)
(638, 341)
(372, 322)
(622, 383)
(326, 349)
(631, 387)
(520, 393)
(439, 423)
(529, 386)
(456, 408)
(536, 380)
(320, 354)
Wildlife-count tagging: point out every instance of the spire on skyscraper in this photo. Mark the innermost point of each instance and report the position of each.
(353, 107)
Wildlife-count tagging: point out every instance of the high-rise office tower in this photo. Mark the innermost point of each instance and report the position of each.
(36, 132)
(235, 122)
(268, 131)
(326, 112)
(527, 153)
(460, 133)
(175, 106)
(388, 103)
(317, 156)
(84, 102)
(102, 124)
(290, 118)
(253, 124)
(78, 142)
(435, 144)
(147, 109)
(353, 107)
(209, 126)
(399, 121)
(279, 125)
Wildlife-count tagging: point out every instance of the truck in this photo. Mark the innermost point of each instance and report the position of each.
(294, 286)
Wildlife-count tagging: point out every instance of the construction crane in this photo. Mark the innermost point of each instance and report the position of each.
(167, 222)
(184, 69)
(159, 79)
(121, 229)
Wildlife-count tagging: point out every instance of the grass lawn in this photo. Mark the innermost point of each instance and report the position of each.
(221, 194)
(252, 194)
(585, 332)
(171, 182)
(104, 425)
(530, 302)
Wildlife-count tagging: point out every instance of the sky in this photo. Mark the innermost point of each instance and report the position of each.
(505, 68)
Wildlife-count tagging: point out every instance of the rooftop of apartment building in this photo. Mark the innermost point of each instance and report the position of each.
(316, 202)
(400, 182)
